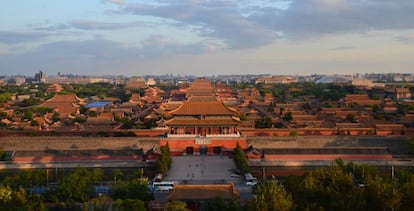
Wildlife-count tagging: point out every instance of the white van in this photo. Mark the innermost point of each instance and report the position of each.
(163, 186)
(250, 180)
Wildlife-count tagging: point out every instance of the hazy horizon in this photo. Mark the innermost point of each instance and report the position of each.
(196, 37)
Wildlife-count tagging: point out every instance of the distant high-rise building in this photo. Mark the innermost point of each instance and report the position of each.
(40, 77)
(18, 80)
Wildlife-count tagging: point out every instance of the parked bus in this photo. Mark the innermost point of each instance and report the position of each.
(163, 186)
(249, 179)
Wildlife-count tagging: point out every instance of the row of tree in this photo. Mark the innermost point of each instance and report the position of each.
(341, 186)
(337, 187)
(31, 190)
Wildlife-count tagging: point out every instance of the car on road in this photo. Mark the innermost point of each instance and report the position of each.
(233, 175)
(250, 180)
(251, 183)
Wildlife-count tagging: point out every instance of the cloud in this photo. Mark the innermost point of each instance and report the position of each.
(319, 17)
(20, 37)
(119, 2)
(249, 25)
(342, 48)
(219, 20)
(96, 25)
(157, 45)
(91, 25)
(243, 24)
(56, 27)
(405, 39)
(93, 55)
(104, 49)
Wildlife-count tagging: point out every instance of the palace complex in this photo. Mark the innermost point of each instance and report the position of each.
(203, 124)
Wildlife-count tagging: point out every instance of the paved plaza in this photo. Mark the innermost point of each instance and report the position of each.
(202, 169)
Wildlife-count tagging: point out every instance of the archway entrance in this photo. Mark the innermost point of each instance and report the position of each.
(189, 150)
(203, 150)
(217, 150)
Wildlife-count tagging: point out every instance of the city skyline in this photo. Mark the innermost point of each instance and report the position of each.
(188, 37)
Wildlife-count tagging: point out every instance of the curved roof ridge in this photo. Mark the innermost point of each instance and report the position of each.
(203, 105)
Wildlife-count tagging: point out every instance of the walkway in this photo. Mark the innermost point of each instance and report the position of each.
(202, 169)
(75, 164)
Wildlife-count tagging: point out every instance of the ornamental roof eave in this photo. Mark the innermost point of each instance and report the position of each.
(202, 105)
(202, 122)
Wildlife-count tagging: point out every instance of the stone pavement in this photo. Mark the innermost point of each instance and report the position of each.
(202, 169)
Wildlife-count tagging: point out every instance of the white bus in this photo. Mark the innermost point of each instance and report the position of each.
(250, 180)
(163, 186)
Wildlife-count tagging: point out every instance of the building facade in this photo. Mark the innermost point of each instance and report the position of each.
(203, 124)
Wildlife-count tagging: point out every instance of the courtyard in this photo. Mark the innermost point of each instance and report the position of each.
(202, 170)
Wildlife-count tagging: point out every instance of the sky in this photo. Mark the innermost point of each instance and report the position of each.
(206, 37)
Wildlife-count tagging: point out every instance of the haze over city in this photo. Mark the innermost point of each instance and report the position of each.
(206, 37)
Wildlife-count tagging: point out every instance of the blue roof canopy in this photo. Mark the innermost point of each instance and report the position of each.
(98, 104)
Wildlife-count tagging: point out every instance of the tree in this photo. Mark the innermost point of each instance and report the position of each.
(350, 118)
(164, 162)
(117, 175)
(176, 205)
(410, 144)
(329, 188)
(4, 97)
(376, 110)
(17, 200)
(130, 190)
(80, 119)
(126, 123)
(29, 102)
(243, 117)
(129, 205)
(240, 159)
(137, 174)
(218, 203)
(270, 195)
(3, 115)
(405, 108)
(271, 107)
(92, 113)
(55, 117)
(34, 123)
(293, 133)
(28, 115)
(30, 178)
(101, 202)
(96, 175)
(265, 122)
(407, 190)
(78, 185)
(3, 154)
(288, 117)
(382, 194)
(306, 106)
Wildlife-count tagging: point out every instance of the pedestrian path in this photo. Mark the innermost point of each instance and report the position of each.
(201, 169)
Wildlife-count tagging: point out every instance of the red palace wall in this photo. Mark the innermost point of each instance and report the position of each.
(324, 132)
(74, 158)
(180, 146)
(327, 157)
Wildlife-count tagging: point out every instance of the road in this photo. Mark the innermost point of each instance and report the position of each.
(74, 164)
(302, 163)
